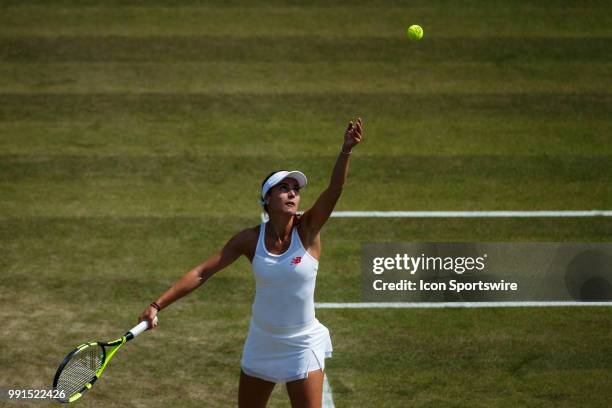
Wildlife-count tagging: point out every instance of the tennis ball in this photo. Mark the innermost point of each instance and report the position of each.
(415, 32)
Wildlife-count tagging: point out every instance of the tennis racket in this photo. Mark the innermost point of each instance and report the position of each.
(84, 365)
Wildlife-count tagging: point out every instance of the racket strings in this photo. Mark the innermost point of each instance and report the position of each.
(80, 369)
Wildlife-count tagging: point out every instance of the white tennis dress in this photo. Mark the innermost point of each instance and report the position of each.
(285, 339)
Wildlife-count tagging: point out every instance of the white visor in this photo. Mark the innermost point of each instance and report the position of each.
(280, 176)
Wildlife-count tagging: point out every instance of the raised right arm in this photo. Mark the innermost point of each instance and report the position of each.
(232, 250)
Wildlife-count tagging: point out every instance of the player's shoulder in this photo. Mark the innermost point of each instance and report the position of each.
(243, 241)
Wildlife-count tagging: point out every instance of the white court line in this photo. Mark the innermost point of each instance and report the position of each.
(440, 305)
(328, 401)
(471, 214)
(464, 214)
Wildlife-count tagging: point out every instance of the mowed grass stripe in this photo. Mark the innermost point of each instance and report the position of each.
(116, 255)
(170, 232)
(311, 77)
(305, 48)
(568, 5)
(209, 168)
(247, 20)
(191, 185)
(105, 197)
(225, 134)
(405, 106)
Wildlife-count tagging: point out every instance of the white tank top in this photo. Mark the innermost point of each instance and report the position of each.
(284, 284)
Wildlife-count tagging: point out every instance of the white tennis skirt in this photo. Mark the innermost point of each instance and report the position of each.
(285, 354)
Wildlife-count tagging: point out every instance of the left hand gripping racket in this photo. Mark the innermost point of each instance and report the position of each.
(84, 365)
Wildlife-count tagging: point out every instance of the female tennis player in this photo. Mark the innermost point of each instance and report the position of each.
(285, 343)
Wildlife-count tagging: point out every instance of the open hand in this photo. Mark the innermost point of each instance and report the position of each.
(353, 135)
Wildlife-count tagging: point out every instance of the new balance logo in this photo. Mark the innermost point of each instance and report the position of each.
(296, 260)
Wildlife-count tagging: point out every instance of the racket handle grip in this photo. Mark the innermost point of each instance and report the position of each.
(139, 328)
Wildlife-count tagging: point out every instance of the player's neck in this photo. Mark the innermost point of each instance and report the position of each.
(280, 226)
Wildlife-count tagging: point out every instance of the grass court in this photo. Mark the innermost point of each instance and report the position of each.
(134, 137)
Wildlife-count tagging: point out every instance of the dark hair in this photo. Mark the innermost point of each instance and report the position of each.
(265, 206)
